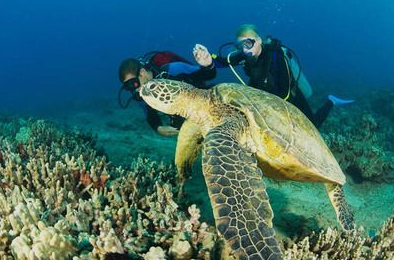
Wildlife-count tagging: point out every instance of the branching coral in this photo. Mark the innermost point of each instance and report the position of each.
(334, 245)
(61, 200)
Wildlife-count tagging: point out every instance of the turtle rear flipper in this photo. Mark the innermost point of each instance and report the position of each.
(337, 197)
(240, 203)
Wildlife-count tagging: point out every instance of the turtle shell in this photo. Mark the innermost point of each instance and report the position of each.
(287, 144)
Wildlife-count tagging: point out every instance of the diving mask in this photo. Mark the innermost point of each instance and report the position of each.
(245, 44)
(132, 84)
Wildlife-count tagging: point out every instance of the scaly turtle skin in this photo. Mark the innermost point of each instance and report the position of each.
(245, 132)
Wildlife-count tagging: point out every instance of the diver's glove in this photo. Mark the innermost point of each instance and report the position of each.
(202, 55)
(338, 101)
(167, 130)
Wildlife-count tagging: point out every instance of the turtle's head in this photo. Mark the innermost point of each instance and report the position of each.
(165, 95)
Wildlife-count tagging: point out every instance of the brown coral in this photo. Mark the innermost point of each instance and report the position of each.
(85, 179)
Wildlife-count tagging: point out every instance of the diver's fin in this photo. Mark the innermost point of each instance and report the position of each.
(338, 101)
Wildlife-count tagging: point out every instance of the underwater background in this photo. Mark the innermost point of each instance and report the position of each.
(59, 63)
(70, 50)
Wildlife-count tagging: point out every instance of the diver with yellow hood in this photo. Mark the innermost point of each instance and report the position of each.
(271, 67)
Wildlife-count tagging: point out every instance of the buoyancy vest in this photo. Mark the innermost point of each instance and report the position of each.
(269, 71)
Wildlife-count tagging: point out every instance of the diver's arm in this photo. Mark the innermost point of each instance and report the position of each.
(205, 73)
(206, 59)
(195, 73)
(156, 124)
(177, 68)
(235, 59)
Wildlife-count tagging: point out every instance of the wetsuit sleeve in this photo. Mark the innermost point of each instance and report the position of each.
(204, 73)
(194, 74)
(175, 69)
(222, 62)
(153, 118)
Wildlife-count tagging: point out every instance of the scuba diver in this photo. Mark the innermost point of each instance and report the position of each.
(271, 67)
(154, 65)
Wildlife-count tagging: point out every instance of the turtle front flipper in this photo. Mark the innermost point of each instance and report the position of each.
(337, 197)
(240, 203)
(187, 150)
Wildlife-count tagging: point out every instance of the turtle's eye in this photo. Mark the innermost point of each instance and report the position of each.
(152, 86)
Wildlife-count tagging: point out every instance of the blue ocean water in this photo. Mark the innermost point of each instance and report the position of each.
(56, 51)
(54, 54)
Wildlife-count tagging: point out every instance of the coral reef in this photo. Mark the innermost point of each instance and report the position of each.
(382, 103)
(59, 199)
(360, 134)
(359, 153)
(334, 245)
(361, 146)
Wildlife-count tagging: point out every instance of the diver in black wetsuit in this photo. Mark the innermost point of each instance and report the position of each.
(133, 73)
(274, 68)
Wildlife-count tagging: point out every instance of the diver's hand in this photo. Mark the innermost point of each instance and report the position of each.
(202, 55)
(167, 130)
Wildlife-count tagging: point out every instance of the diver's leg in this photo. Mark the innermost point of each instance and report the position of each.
(322, 113)
(337, 197)
(187, 150)
(302, 104)
(316, 118)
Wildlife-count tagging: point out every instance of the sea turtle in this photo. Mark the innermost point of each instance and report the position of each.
(246, 134)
